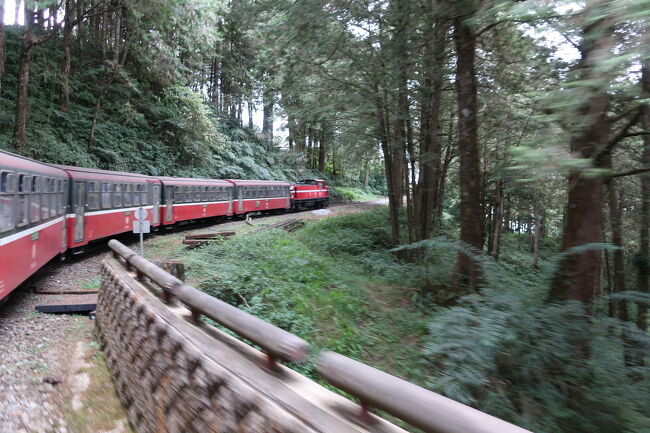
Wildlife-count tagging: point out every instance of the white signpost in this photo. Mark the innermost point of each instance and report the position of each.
(141, 225)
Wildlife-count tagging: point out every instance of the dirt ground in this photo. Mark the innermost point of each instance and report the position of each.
(52, 374)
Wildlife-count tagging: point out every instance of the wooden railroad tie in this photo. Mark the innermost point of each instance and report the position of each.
(193, 241)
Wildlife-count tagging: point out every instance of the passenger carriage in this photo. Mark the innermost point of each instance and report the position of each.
(33, 199)
(309, 193)
(260, 196)
(103, 203)
(192, 199)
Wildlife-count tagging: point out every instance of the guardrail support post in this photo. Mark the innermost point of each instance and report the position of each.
(196, 316)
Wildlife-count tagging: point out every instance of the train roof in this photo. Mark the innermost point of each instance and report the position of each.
(244, 182)
(18, 163)
(99, 174)
(192, 181)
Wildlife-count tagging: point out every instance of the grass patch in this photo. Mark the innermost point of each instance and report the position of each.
(354, 193)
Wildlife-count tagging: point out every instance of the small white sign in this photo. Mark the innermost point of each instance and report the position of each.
(141, 214)
(141, 227)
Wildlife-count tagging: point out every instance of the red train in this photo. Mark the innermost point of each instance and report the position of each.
(46, 210)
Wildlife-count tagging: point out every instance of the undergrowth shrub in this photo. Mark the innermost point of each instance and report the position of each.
(548, 367)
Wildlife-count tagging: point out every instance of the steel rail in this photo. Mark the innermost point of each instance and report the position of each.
(276, 342)
(417, 406)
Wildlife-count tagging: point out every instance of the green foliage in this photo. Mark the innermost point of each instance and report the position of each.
(323, 284)
(354, 194)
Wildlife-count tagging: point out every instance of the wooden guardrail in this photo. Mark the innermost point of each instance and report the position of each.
(417, 406)
(277, 343)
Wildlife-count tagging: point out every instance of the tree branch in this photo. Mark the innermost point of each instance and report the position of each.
(622, 134)
(630, 172)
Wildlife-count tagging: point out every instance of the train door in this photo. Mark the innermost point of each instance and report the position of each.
(79, 211)
(240, 193)
(156, 204)
(169, 202)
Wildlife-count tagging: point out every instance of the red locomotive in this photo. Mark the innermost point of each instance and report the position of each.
(46, 209)
(310, 193)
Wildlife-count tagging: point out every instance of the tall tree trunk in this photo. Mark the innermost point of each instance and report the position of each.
(579, 272)
(26, 46)
(64, 94)
(617, 240)
(537, 233)
(430, 154)
(322, 148)
(471, 212)
(643, 273)
(2, 41)
(251, 108)
(118, 33)
(267, 122)
(497, 226)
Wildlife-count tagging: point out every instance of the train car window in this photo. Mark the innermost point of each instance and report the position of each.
(204, 193)
(135, 199)
(35, 200)
(142, 192)
(53, 194)
(93, 195)
(23, 201)
(128, 194)
(46, 189)
(106, 190)
(7, 201)
(117, 195)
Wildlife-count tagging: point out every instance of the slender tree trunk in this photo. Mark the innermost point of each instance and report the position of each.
(26, 46)
(2, 41)
(497, 226)
(430, 154)
(537, 234)
(64, 94)
(643, 273)
(579, 272)
(471, 212)
(118, 34)
(267, 123)
(251, 108)
(617, 240)
(322, 149)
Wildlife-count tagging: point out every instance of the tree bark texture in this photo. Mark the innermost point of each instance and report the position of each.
(64, 94)
(471, 212)
(26, 46)
(643, 272)
(579, 273)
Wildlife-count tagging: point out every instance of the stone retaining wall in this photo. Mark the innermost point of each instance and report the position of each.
(174, 376)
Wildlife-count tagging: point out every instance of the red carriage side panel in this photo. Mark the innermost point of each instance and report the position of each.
(191, 199)
(260, 196)
(32, 212)
(103, 203)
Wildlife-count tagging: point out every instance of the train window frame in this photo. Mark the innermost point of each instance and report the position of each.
(117, 195)
(46, 198)
(106, 193)
(127, 195)
(22, 193)
(8, 195)
(93, 191)
(35, 199)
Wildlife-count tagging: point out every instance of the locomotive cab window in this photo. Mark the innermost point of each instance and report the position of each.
(7, 200)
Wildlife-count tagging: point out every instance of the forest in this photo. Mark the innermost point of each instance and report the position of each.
(511, 137)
